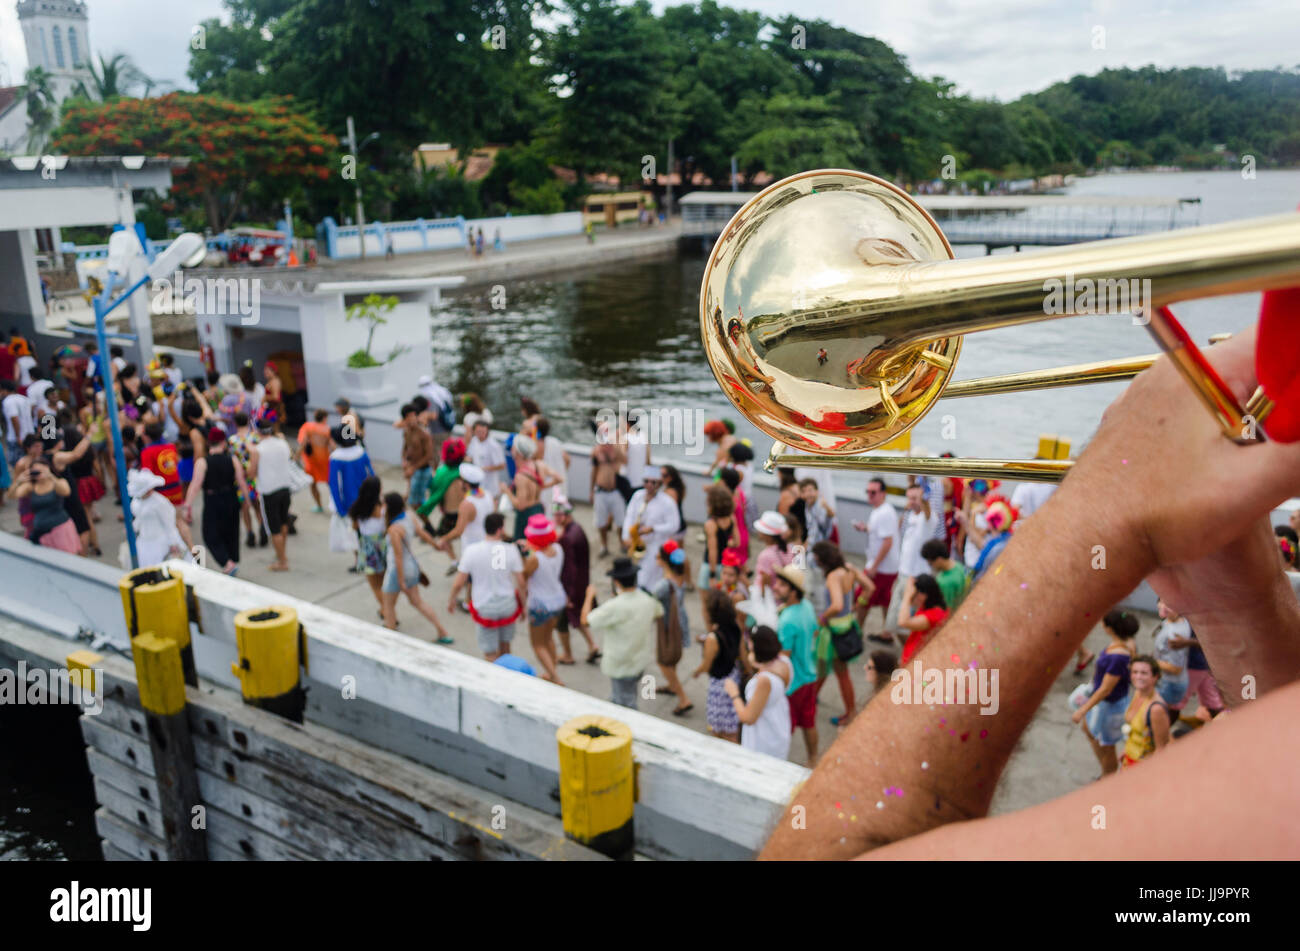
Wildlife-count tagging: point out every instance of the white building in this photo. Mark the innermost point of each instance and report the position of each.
(57, 36)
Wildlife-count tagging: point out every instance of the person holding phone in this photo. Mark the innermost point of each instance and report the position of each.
(52, 526)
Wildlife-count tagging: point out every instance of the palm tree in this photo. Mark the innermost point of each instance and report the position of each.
(114, 78)
(42, 110)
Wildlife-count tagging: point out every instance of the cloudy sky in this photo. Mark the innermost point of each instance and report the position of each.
(999, 48)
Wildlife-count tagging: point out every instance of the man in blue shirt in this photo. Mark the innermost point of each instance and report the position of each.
(796, 627)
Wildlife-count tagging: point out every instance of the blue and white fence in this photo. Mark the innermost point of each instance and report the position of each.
(441, 234)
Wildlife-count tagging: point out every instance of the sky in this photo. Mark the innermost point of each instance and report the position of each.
(994, 48)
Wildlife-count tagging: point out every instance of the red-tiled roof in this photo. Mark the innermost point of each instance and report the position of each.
(9, 95)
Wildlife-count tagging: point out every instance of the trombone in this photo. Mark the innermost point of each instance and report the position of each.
(832, 313)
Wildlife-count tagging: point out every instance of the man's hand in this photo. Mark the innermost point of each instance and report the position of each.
(1170, 479)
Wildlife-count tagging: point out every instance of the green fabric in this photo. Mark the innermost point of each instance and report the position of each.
(797, 629)
(953, 584)
(442, 480)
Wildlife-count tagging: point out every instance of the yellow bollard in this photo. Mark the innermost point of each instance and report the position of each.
(81, 668)
(597, 784)
(154, 600)
(160, 680)
(271, 651)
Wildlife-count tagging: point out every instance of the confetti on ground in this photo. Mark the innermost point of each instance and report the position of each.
(999, 570)
(983, 734)
(1024, 585)
(880, 805)
(925, 765)
(956, 659)
(965, 736)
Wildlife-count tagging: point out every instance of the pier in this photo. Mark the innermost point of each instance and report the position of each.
(999, 221)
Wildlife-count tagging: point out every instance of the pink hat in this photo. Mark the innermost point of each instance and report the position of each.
(540, 531)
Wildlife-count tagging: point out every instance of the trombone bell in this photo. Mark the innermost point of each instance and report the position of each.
(832, 310)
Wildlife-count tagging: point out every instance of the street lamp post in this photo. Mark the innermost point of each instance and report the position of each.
(361, 211)
(186, 251)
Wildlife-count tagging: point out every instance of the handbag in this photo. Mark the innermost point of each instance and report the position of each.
(847, 642)
(298, 478)
(668, 650)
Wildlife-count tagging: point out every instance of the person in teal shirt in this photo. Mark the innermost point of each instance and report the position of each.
(797, 630)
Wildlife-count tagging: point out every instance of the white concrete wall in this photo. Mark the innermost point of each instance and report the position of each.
(528, 227)
(20, 286)
(700, 797)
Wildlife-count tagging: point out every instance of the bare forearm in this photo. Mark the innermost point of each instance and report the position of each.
(1246, 663)
(947, 771)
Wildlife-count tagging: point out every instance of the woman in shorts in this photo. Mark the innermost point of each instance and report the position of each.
(1110, 689)
(367, 515)
(547, 598)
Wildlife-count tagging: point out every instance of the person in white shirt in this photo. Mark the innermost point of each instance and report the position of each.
(654, 515)
(154, 519)
(494, 570)
(555, 458)
(26, 364)
(882, 554)
(1030, 496)
(17, 410)
(38, 394)
(273, 487)
(489, 455)
(918, 528)
(637, 446)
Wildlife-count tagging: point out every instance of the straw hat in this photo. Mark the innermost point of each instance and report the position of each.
(792, 576)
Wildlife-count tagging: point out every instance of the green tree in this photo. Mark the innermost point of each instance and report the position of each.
(114, 78)
(42, 111)
(612, 67)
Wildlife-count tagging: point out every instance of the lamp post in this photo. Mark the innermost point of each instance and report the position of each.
(186, 251)
(361, 212)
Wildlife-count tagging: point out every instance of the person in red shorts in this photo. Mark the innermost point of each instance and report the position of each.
(883, 546)
(797, 629)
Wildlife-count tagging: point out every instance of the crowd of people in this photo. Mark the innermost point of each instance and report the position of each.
(783, 606)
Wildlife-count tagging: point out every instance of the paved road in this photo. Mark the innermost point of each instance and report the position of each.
(1053, 757)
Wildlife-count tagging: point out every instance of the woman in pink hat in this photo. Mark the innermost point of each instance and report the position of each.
(547, 598)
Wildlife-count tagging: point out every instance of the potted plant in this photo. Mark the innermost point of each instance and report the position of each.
(364, 376)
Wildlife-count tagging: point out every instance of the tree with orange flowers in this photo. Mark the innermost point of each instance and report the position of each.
(241, 153)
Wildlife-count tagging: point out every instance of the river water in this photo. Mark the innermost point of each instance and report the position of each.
(631, 332)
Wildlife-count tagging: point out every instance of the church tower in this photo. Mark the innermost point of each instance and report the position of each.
(58, 40)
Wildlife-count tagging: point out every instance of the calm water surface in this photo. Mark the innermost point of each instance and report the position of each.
(631, 332)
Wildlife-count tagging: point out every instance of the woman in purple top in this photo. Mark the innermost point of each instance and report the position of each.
(1110, 683)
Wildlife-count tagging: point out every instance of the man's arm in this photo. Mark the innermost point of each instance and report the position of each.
(890, 746)
(1150, 435)
(1253, 761)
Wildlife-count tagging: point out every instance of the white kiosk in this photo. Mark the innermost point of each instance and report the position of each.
(293, 314)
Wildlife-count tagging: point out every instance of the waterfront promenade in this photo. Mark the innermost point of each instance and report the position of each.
(545, 256)
(1052, 758)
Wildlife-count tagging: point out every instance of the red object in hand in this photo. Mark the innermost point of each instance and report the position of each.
(1277, 361)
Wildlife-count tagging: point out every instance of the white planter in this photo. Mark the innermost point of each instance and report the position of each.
(369, 386)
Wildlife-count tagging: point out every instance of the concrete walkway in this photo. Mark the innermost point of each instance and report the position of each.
(1053, 757)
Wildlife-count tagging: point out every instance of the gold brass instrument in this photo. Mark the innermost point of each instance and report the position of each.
(832, 311)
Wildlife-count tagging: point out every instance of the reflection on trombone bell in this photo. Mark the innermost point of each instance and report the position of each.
(883, 306)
